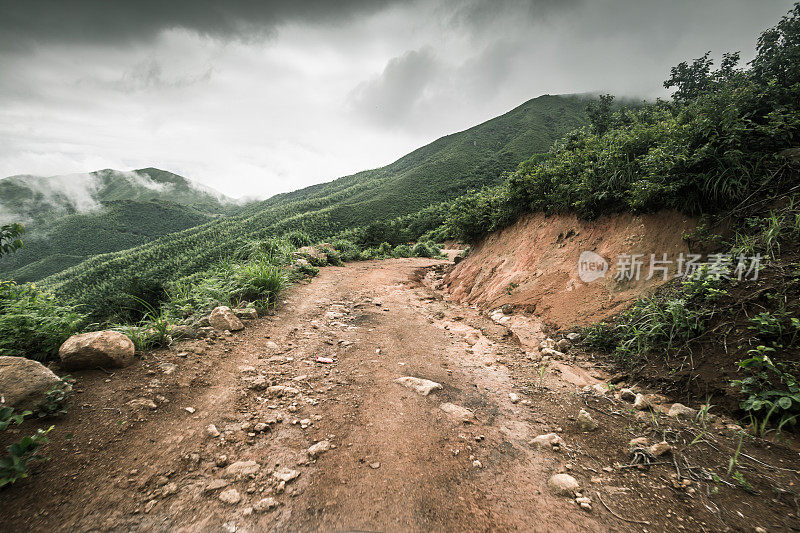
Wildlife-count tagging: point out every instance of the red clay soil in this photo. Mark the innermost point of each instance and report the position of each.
(397, 461)
(533, 264)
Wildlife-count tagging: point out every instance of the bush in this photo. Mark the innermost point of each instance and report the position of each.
(32, 323)
(347, 250)
(298, 238)
(402, 250)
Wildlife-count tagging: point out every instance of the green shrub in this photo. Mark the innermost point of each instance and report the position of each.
(258, 282)
(32, 323)
(14, 465)
(347, 250)
(298, 238)
(402, 250)
(304, 268)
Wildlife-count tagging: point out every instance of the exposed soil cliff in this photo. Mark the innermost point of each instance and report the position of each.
(533, 264)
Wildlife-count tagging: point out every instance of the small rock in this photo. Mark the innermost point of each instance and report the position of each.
(168, 368)
(627, 394)
(374, 466)
(215, 484)
(211, 431)
(419, 385)
(230, 496)
(24, 382)
(563, 345)
(190, 410)
(563, 484)
(221, 460)
(462, 414)
(660, 448)
(281, 390)
(242, 468)
(638, 442)
(507, 309)
(222, 318)
(640, 403)
(149, 505)
(143, 403)
(549, 439)
(259, 427)
(586, 422)
(574, 336)
(681, 412)
(266, 504)
(514, 397)
(319, 448)
(477, 464)
(169, 489)
(550, 352)
(285, 475)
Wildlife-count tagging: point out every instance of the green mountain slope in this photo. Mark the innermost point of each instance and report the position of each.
(71, 218)
(432, 174)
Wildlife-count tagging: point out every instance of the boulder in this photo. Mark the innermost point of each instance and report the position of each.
(223, 318)
(24, 382)
(98, 349)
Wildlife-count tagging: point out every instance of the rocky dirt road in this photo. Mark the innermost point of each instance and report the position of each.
(251, 432)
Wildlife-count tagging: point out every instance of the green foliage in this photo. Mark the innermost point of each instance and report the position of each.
(304, 268)
(714, 147)
(298, 238)
(14, 465)
(667, 321)
(55, 400)
(10, 238)
(402, 250)
(776, 328)
(32, 323)
(771, 389)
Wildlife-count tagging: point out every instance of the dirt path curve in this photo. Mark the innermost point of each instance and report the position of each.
(136, 451)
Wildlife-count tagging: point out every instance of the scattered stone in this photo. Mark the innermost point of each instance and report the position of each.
(222, 318)
(246, 314)
(586, 422)
(24, 382)
(462, 414)
(221, 460)
(285, 475)
(143, 403)
(260, 426)
(574, 336)
(514, 397)
(547, 343)
(149, 505)
(641, 403)
(215, 484)
(190, 410)
(96, 349)
(550, 352)
(477, 464)
(419, 385)
(627, 394)
(168, 368)
(242, 469)
(212, 431)
(660, 448)
(230, 496)
(736, 428)
(549, 439)
(563, 484)
(169, 489)
(563, 345)
(375, 466)
(276, 391)
(507, 309)
(265, 505)
(319, 448)
(182, 332)
(681, 412)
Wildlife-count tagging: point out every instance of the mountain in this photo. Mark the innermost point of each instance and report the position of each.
(73, 217)
(440, 171)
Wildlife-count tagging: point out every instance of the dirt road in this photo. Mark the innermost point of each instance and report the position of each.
(136, 451)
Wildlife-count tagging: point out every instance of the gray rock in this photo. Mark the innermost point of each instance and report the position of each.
(24, 382)
(681, 412)
(586, 422)
(507, 309)
(641, 403)
(563, 345)
(563, 485)
(222, 318)
(660, 448)
(266, 504)
(242, 469)
(98, 349)
(548, 440)
(281, 390)
(418, 385)
(319, 448)
(462, 414)
(230, 496)
(285, 474)
(574, 336)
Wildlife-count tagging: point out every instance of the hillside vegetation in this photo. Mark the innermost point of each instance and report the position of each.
(430, 175)
(71, 218)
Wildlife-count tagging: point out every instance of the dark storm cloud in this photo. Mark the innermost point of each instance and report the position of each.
(23, 22)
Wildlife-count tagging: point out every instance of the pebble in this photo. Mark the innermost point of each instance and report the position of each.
(514, 397)
(266, 504)
(627, 394)
(212, 431)
(215, 484)
(549, 439)
(462, 414)
(285, 475)
(374, 466)
(640, 403)
(419, 385)
(190, 410)
(242, 468)
(681, 412)
(660, 448)
(477, 464)
(586, 422)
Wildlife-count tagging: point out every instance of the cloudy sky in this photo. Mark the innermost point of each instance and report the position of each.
(259, 97)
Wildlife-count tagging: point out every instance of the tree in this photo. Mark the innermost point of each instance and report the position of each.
(600, 114)
(10, 238)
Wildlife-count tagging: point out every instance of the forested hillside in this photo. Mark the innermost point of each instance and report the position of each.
(71, 218)
(430, 175)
